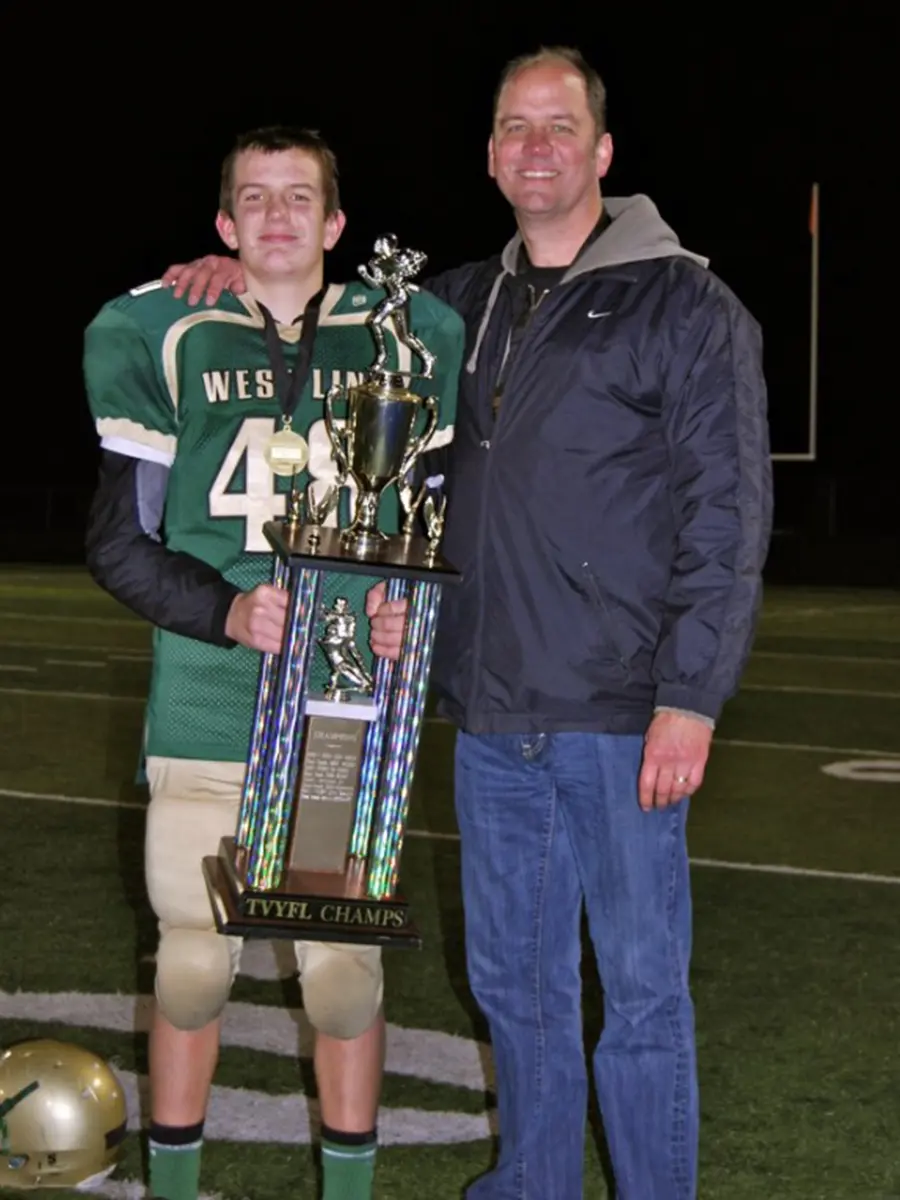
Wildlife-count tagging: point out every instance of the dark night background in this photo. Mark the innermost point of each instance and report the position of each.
(723, 115)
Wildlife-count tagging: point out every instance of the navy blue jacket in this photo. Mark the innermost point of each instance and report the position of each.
(611, 525)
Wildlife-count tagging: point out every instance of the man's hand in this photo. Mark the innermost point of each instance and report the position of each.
(676, 747)
(256, 619)
(214, 273)
(387, 620)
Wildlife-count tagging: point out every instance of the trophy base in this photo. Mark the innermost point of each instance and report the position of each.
(394, 555)
(309, 906)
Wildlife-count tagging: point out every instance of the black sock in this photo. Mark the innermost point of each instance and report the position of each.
(348, 1139)
(176, 1135)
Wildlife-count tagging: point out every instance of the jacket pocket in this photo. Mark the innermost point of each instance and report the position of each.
(610, 626)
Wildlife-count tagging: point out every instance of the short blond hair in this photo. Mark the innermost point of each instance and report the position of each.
(593, 84)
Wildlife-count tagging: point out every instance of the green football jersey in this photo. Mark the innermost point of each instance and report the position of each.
(194, 389)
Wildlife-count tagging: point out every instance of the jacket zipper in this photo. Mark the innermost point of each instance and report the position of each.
(487, 445)
(506, 363)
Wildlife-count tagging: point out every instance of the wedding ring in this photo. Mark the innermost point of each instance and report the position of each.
(681, 778)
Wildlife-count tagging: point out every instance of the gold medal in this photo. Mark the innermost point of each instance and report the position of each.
(287, 453)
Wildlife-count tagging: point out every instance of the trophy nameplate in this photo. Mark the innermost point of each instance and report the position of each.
(326, 794)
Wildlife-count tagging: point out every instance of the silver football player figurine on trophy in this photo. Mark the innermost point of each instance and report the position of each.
(348, 671)
(393, 269)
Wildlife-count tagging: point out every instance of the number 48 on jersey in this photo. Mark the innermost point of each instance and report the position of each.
(246, 488)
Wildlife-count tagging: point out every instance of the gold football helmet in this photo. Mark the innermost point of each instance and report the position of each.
(62, 1116)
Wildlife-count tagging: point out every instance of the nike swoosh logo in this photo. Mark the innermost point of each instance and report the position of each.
(594, 315)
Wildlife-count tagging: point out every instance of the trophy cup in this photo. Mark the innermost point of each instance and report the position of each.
(316, 851)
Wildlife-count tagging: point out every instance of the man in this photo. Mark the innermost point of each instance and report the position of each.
(202, 418)
(609, 504)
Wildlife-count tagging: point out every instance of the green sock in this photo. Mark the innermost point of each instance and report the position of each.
(348, 1164)
(175, 1162)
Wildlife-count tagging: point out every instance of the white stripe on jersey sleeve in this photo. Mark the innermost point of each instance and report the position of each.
(133, 450)
(440, 437)
(128, 437)
(143, 288)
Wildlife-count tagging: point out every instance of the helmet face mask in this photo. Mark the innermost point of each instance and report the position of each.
(62, 1116)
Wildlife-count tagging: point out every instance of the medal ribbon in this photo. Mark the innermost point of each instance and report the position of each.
(290, 384)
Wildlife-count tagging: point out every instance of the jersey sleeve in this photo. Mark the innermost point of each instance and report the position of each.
(128, 398)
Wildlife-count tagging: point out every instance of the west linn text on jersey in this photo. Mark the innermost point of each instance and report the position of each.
(245, 384)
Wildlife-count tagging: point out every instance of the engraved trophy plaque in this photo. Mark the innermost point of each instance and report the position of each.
(316, 852)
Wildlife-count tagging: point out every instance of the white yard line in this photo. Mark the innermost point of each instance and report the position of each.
(800, 690)
(805, 748)
(110, 651)
(73, 662)
(51, 695)
(132, 1190)
(776, 613)
(16, 667)
(723, 864)
(88, 801)
(807, 872)
(844, 658)
(49, 575)
(70, 620)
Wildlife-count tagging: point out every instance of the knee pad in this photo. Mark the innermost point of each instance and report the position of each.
(342, 987)
(195, 969)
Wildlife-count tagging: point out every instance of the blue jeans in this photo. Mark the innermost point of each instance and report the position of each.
(549, 822)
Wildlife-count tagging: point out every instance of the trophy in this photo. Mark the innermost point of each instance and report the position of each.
(316, 851)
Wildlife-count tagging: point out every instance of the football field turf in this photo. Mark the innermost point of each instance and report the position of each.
(795, 839)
